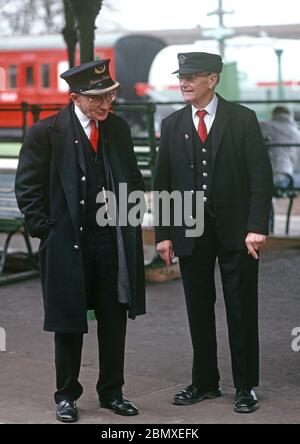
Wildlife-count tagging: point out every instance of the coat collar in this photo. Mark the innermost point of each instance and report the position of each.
(67, 155)
(67, 145)
(186, 128)
(113, 154)
(221, 121)
(67, 139)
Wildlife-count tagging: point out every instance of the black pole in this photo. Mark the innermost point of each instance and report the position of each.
(85, 14)
(69, 33)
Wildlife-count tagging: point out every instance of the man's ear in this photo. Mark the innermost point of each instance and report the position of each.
(213, 80)
(73, 97)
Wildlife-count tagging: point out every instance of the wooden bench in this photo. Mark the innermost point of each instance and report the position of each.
(11, 219)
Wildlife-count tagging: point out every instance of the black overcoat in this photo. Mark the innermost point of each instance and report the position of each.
(50, 183)
(242, 182)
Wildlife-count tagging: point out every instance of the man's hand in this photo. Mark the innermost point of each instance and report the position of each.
(254, 242)
(165, 250)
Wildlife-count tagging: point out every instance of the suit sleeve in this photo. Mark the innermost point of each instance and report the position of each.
(162, 180)
(32, 181)
(260, 177)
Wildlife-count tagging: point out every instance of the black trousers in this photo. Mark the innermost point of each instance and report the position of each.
(239, 273)
(100, 259)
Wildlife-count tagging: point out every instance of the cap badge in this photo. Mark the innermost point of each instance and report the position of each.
(100, 69)
(182, 59)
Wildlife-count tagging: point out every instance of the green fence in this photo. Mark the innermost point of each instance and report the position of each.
(144, 144)
(145, 141)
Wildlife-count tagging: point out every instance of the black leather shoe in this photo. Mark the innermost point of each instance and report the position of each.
(192, 394)
(245, 401)
(67, 411)
(120, 405)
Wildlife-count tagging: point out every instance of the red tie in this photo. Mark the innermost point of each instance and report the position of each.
(94, 135)
(202, 130)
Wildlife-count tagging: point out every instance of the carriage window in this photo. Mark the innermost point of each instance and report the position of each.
(29, 75)
(12, 76)
(45, 76)
(2, 79)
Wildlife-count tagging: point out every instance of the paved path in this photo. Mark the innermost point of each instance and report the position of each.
(158, 356)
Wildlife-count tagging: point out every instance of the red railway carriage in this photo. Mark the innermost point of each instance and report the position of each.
(30, 68)
(29, 72)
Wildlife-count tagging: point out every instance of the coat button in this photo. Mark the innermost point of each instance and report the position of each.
(192, 166)
(81, 202)
(76, 141)
(76, 247)
(204, 199)
(204, 150)
(204, 187)
(83, 179)
(192, 191)
(205, 174)
(81, 228)
(204, 162)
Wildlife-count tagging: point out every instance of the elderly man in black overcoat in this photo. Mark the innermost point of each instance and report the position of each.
(216, 147)
(65, 161)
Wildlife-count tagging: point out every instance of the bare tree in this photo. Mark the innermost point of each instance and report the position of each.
(21, 17)
(31, 16)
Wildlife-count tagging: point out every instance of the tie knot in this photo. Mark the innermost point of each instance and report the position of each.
(201, 113)
(93, 124)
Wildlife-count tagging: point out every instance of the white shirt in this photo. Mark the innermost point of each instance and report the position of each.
(209, 118)
(84, 120)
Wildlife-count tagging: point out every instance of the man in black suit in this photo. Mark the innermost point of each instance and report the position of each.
(65, 161)
(216, 147)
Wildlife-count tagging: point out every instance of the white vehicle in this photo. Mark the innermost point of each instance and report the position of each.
(251, 72)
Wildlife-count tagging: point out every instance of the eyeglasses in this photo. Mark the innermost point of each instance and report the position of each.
(101, 98)
(191, 77)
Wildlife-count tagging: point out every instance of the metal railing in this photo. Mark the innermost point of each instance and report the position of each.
(145, 147)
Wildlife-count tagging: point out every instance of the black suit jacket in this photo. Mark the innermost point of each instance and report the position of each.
(50, 183)
(241, 174)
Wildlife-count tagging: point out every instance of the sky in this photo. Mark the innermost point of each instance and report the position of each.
(256, 59)
(171, 14)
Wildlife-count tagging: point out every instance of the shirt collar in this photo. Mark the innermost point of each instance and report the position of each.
(83, 119)
(211, 108)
